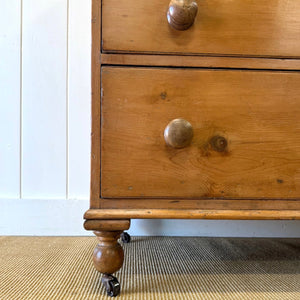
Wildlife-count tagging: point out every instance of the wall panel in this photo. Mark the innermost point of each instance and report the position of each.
(10, 52)
(44, 98)
(79, 98)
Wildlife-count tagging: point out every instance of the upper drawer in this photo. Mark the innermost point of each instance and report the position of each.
(246, 133)
(236, 27)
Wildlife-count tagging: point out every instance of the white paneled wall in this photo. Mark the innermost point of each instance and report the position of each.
(45, 127)
(10, 72)
(79, 106)
(45, 92)
(44, 98)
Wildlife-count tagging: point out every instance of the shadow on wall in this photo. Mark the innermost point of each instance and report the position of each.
(221, 228)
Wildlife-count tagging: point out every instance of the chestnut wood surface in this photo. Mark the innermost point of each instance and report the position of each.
(205, 204)
(236, 28)
(287, 12)
(199, 61)
(193, 214)
(107, 225)
(96, 107)
(192, 143)
(108, 255)
(256, 113)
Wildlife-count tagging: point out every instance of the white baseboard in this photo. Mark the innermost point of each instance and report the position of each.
(61, 217)
(50, 217)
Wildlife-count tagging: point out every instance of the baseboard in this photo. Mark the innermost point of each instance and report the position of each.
(64, 217)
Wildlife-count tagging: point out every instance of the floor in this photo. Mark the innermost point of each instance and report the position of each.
(154, 268)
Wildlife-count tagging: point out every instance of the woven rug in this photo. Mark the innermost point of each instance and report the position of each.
(154, 268)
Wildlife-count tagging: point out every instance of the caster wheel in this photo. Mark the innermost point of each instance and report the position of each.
(125, 237)
(112, 285)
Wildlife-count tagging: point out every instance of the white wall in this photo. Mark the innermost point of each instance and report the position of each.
(45, 128)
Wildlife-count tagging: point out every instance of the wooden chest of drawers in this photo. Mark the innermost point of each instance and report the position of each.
(195, 114)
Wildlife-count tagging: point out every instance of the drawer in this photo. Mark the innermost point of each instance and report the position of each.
(245, 124)
(237, 28)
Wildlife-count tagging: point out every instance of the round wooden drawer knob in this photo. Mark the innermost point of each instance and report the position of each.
(182, 13)
(178, 133)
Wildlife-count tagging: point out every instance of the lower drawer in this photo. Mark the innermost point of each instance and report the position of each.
(241, 138)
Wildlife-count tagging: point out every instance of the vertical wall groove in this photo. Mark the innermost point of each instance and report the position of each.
(67, 103)
(21, 96)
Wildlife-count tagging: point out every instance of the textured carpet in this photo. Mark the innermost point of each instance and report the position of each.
(155, 268)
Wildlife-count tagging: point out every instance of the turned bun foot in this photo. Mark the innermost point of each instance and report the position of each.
(108, 258)
(108, 255)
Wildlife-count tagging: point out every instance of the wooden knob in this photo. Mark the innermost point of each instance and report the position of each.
(178, 133)
(182, 13)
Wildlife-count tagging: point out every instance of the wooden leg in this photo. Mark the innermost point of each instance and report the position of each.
(108, 255)
(108, 258)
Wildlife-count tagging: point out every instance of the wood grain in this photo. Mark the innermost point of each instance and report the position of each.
(193, 214)
(237, 28)
(107, 225)
(203, 204)
(108, 255)
(96, 107)
(256, 112)
(266, 129)
(199, 61)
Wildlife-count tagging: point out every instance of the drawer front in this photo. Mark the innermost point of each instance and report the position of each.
(237, 27)
(246, 133)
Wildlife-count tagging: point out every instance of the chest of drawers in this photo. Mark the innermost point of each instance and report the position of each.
(195, 114)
